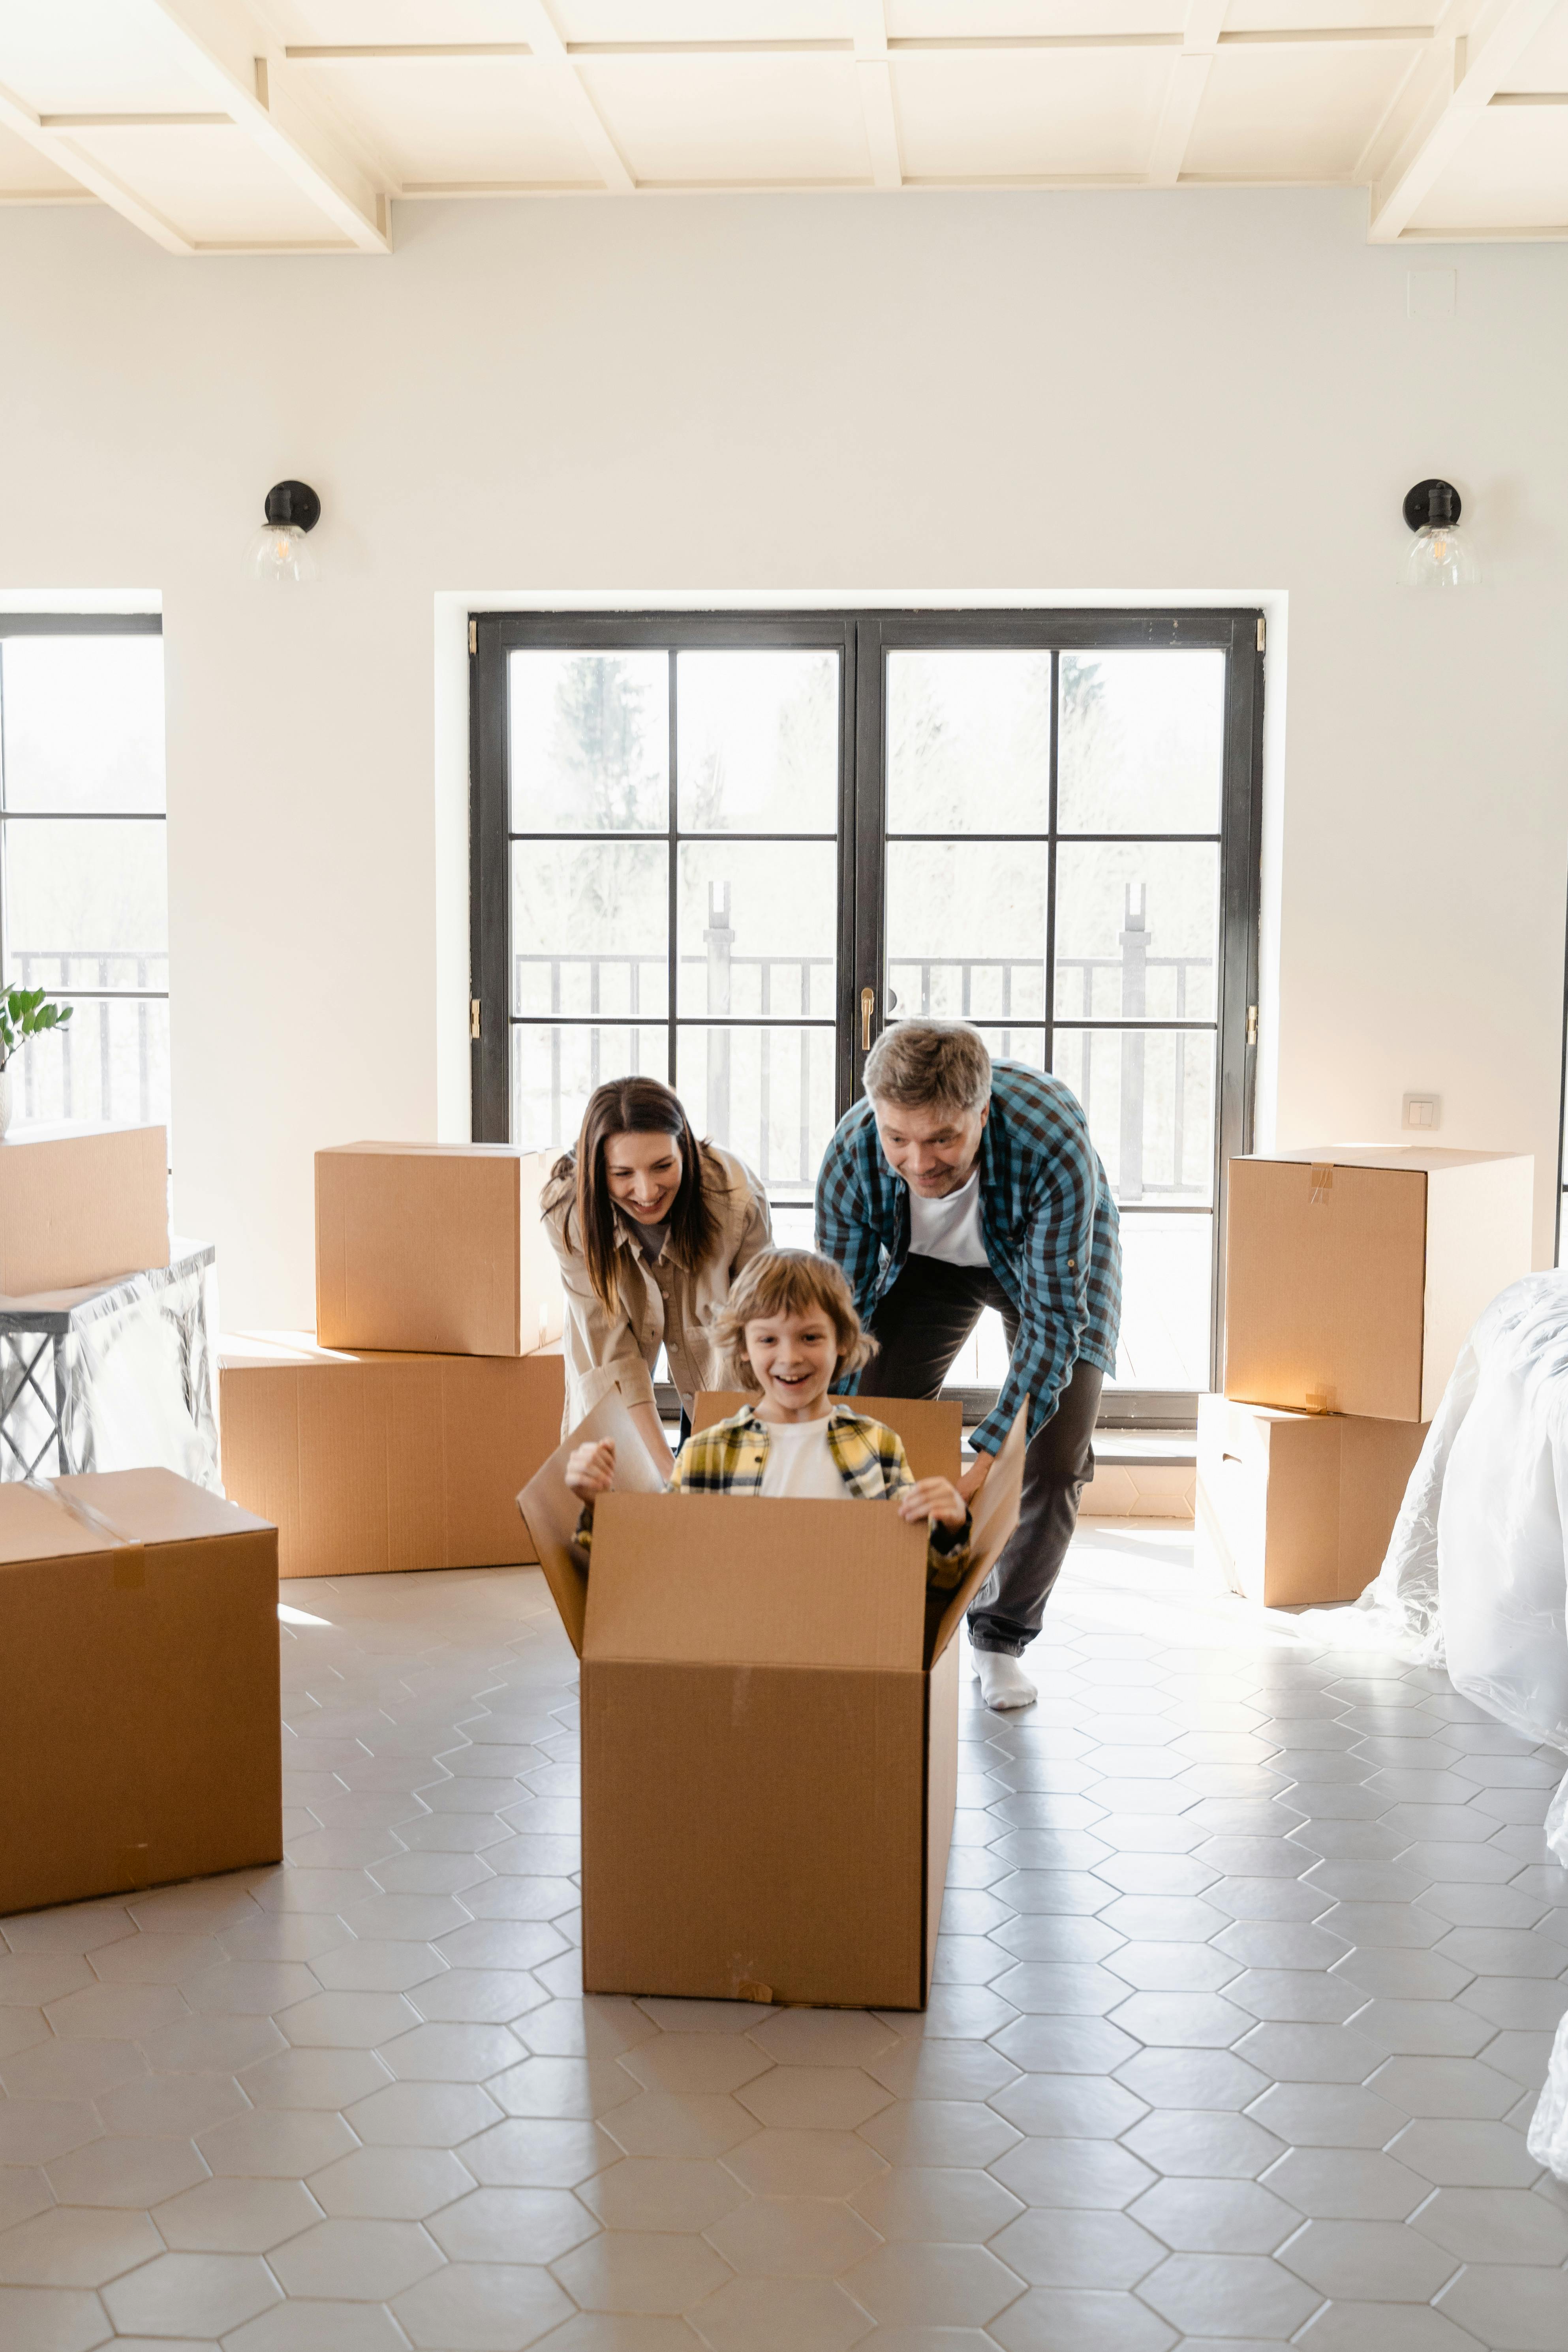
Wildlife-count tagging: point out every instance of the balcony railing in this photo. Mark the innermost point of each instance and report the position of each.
(121, 1062)
(996, 991)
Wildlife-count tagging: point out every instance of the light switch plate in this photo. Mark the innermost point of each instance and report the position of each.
(1423, 1112)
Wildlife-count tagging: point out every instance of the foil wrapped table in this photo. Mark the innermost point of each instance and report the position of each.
(122, 1376)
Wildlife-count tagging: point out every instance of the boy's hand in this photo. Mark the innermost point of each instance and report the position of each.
(933, 1498)
(592, 1469)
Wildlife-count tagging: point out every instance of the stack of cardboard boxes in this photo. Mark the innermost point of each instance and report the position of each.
(398, 1434)
(1352, 1279)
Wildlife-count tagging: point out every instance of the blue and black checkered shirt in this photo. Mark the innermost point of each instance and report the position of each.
(1046, 1217)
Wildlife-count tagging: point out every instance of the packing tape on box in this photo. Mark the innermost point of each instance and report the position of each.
(747, 1988)
(1320, 1399)
(1323, 1184)
(129, 1568)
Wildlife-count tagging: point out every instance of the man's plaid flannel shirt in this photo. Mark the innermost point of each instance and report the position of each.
(1046, 1217)
(730, 1457)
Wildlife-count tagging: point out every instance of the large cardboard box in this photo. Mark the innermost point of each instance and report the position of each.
(770, 1728)
(81, 1204)
(367, 1463)
(1352, 1276)
(1295, 1507)
(140, 1737)
(434, 1249)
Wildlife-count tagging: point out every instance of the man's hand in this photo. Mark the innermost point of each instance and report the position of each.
(975, 1477)
(935, 1500)
(592, 1469)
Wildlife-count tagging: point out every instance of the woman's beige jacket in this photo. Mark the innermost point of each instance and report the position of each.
(668, 1304)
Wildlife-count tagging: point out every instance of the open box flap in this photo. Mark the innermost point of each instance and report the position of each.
(931, 1427)
(749, 1582)
(550, 1510)
(995, 1516)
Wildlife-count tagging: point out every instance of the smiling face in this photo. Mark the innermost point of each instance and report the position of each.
(643, 1174)
(933, 1146)
(793, 1360)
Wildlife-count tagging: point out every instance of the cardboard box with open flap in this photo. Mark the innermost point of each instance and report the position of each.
(139, 1734)
(770, 1723)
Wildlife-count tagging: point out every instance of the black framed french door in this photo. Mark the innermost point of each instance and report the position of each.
(726, 848)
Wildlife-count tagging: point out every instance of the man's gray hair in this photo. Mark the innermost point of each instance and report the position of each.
(914, 1063)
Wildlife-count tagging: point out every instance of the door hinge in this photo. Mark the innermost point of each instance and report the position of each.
(1262, 635)
(1251, 1025)
(474, 636)
(473, 1016)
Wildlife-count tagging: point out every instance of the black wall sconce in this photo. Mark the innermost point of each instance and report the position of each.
(278, 554)
(1440, 555)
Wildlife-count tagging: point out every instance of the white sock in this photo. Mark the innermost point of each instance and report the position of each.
(1002, 1682)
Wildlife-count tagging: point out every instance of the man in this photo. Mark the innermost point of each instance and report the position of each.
(956, 1186)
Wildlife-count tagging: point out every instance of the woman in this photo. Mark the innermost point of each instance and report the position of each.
(651, 1228)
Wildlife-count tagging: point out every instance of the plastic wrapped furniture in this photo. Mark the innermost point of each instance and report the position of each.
(1477, 1573)
(122, 1376)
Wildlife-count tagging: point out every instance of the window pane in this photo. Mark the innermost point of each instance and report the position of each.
(1167, 1270)
(590, 742)
(1027, 1045)
(83, 722)
(112, 1062)
(589, 926)
(969, 741)
(1137, 930)
(1142, 742)
(1149, 1093)
(86, 888)
(554, 1069)
(757, 737)
(766, 1093)
(966, 930)
(758, 927)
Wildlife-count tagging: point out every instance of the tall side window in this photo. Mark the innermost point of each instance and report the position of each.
(729, 849)
(83, 869)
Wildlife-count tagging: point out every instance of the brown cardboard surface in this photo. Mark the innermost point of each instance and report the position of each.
(552, 1511)
(140, 1737)
(434, 1249)
(368, 1462)
(931, 1428)
(79, 1205)
(1298, 1508)
(753, 1828)
(1352, 1275)
(769, 1768)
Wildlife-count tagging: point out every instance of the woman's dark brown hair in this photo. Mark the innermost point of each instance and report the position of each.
(636, 1106)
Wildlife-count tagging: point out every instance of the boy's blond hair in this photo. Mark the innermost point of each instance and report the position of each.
(789, 1281)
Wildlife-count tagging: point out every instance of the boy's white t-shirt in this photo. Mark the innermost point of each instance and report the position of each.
(799, 1464)
(949, 1228)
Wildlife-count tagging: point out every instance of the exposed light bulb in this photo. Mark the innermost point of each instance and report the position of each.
(280, 555)
(1440, 554)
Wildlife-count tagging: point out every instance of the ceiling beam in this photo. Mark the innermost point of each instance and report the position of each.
(220, 45)
(874, 80)
(1189, 80)
(1500, 33)
(88, 174)
(586, 120)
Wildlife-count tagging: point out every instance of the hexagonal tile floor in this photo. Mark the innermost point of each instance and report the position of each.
(1250, 1964)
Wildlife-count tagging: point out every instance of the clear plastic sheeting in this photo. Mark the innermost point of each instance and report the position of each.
(119, 1377)
(1475, 1577)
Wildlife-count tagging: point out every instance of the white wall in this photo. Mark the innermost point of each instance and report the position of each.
(977, 397)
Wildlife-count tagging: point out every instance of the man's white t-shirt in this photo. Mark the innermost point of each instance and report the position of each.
(799, 1464)
(949, 1228)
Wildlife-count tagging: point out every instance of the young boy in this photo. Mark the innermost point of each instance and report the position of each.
(789, 1330)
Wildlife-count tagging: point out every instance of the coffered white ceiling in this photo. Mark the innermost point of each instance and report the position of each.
(222, 126)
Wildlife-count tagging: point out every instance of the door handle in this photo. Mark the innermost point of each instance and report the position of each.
(868, 1012)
